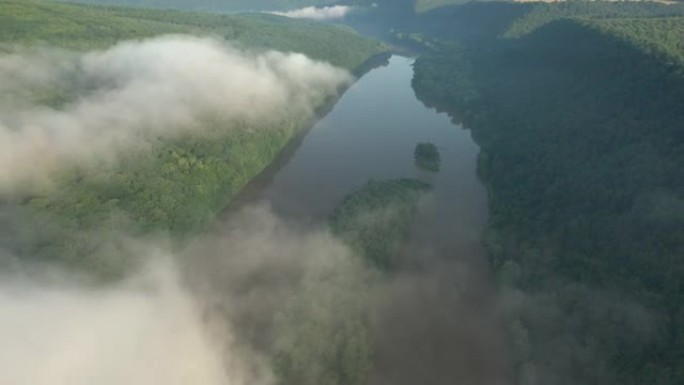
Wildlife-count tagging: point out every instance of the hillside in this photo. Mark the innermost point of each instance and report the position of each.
(86, 27)
(427, 5)
(575, 108)
(213, 5)
(170, 182)
(486, 21)
(375, 220)
(542, 14)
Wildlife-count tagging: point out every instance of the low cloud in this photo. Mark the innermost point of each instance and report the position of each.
(259, 300)
(314, 13)
(297, 299)
(61, 108)
(144, 331)
(233, 308)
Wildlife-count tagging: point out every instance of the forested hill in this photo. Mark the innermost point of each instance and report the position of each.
(266, 5)
(661, 36)
(177, 181)
(27, 22)
(541, 14)
(487, 21)
(214, 5)
(577, 109)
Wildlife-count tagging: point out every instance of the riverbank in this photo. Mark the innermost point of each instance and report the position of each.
(576, 165)
(442, 277)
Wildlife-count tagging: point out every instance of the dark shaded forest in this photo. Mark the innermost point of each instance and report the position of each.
(213, 5)
(577, 109)
(427, 157)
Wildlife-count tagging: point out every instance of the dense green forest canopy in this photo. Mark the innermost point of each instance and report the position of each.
(214, 5)
(91, 215)
(661, 36)
(576, 107)
(33, 22)
(542, 14)
(268, 5)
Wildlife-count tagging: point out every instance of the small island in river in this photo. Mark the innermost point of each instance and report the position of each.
(427, 157)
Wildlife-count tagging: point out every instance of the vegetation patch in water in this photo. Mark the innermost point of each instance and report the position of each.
(375, 220)
(427, 157)
(173, 184)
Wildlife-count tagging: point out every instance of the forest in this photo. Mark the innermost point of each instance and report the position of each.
(156, 120)
(375, 220)
(214, 5)
(82, 27)
(181, 182)
(427, 157)
(576, 109)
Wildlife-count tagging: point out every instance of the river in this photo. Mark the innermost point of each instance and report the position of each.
(438, 321)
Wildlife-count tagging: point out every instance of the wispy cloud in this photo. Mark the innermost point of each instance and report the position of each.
(314, 13)
(138, 92)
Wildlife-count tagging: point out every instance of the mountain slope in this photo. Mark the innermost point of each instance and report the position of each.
(215, 5)
(579, 123)
(172, 183)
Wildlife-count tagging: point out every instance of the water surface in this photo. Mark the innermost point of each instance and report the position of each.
(371, 133)
(437, 320)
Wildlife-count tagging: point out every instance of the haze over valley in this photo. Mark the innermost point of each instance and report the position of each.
(305, 192)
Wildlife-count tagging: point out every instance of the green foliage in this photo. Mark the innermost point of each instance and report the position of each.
(662, 36)
(31, 22)
(579, 122)
(376, 219)
(214, 5)
(178, 185)
(477, 22)
(473, 21)
(176, 188)
(427, 5)
(544, 13)
(427, 157)
(323, 336)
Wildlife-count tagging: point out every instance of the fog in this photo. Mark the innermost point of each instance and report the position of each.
(144, 331)
(314, 13)
(139, 92)
(196, 315)
(222, 310)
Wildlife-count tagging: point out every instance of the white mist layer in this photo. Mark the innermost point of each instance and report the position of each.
(139, 92)
(313, 13)
(240, 300)
(147, 331)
